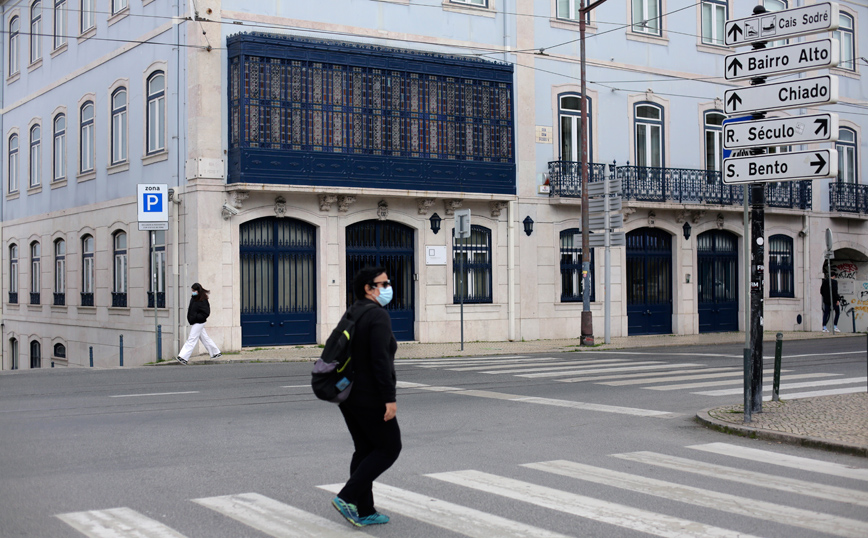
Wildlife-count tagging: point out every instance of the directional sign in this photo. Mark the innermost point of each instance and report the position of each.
(598, 188)
(781, 131)
(813, 164)
(782, 24)
(793, 94)
(598, 205)
(598, 240)
(598, 222)
(462, 223)
(786, 59)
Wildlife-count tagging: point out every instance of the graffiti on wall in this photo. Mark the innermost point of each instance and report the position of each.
(845, 270)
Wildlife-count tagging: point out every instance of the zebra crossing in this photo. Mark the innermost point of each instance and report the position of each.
(658, 375)
(844, 513)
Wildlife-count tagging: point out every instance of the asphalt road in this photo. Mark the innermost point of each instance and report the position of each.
(506, 446)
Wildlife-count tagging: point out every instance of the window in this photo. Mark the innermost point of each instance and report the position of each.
(846, 146)
(119, 126)
(119, 286)
(713, 142)
(646, 15)
(87, 16)
(844, 34)
(13, 349)
(569, 10)
(13, 274)
(35, 154)
(772, 6)
(475, 252)
(87, 270)
(35, 31)
(649, 135)
(86, 139)
(59, 164)
(481, 3)
(60, 272)
(157, 275)
(156, 113)
(59, 23)
(118, 6)
(571, 120)
(60, 351)
(571, 267)
(14, 28)
(13, 163)
(713, 19)
(781, 266)
(35, 354)
(35, 272)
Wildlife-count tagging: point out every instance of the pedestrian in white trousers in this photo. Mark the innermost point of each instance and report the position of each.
(197, 314)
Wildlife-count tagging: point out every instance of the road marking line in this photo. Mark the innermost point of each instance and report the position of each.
(577, 367)
(672, 354)
(811, 394)
(543, 401)
(275, 518)
(586, 507)
(459, 359)
(767, 388)
(117, 523)
(613, 369)
(444, 364)
(295, 386)
(781, 483)
(640, 374)
(154, 394)
(767, 379)
(727, 372)
(784, 460)
(734, 504)
(452, 517)
(565, 363)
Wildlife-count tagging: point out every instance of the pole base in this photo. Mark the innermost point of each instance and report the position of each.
(587, 340)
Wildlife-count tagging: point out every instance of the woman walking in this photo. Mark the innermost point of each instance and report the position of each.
(197, 314)
(370, 409)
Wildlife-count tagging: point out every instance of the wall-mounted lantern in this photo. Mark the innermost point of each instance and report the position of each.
(435, 223)
(687, 229)
(528, 225)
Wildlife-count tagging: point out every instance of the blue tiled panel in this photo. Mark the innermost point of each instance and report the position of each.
(310, 112)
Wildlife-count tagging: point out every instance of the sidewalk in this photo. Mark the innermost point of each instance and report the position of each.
(837, 422)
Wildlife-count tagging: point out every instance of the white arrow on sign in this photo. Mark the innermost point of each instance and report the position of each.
(780, 24)
(786, 59)
(782, 95)
(781, 131)
(813, 164)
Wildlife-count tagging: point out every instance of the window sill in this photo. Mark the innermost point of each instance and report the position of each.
(119, 310)
(117, 168)
(13, 77)
(86, 176)
(845, 73)
(34, 308)
(86, 309)
(648, 38)
(467, 9)
(155, 158)
(784, 299)
(87, 34)
(120, 15)
(474, 307)
(34, 190)
(61, 309)
(571, 306)
(569, 24)
(59, 50)
(713, 49)
(57, 183)
(146, 2)
(13, 195)
(35, 65)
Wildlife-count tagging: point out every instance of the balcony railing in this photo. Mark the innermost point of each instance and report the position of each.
(59, 299)
(674, 185)
(161, 299)
(119, 299)
(87, 299)
(34, 298)
(848, 197)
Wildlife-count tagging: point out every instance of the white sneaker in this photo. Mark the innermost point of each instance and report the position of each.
(837, 330)
(181, 360)
(825, 330)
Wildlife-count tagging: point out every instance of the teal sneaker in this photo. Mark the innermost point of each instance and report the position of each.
(347, 510)
(374, 519)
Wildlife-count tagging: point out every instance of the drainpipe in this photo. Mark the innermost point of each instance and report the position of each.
(510, 271)
(176, 199)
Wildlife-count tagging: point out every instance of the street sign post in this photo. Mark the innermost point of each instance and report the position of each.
(780, 60)
(814, 164)
(798, 93)
(616, 239)
(598, 222)
(770, 26)
(781, 131)
(153, 214)
(599, 205)
(462, 231)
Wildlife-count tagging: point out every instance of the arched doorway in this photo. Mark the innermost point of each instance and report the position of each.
(278, 282)
(391, 245)
(717, 286)
(649, 282)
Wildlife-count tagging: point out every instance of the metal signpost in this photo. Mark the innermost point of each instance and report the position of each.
(760, 133)
(606, 199)
(153, 215)
(462, 231)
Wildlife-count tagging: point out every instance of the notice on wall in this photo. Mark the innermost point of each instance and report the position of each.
(543, 134)
(435, 255)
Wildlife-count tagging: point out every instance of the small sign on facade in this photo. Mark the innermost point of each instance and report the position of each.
(435, 255)
(543, 134)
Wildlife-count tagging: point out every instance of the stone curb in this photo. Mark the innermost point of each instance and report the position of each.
(704, 418)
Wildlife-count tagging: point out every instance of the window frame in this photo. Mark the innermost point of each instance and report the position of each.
(13, 273)
(59, 272)
(717, 130)
(13, 163)
(574, 267)
(848, 31)
(35, 31)
(157, 257)
(575, 118)
(713, 40)
(14, 45)
(13, 350)
(35, 156)
(641, 28)
(157, 116)
(119, 122)
(35, 272)
(57, 355)
(119, 5)
(88, 246)
(90, 126)
(87, 15)
(58, 149)
(120, 268)
(60, 23)
(471, 3)
(480, 272)
(846, 149)
(781, 272)
(35, 357)
(659, 123)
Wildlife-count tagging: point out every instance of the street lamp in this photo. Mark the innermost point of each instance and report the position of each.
(435, 223)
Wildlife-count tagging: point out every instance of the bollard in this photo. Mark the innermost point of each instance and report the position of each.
(776, 387)
(159, 343)
(91, 356)
(122, 350)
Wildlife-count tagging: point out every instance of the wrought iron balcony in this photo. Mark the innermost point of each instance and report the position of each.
(565, 177)
(34, 298)
(848, 197)
(59, 299)
(13, 297)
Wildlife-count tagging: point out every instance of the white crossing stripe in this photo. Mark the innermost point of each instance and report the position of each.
(565, 363)
(117, 523)
(811, 394)
(544, 401)
(577, 368)
(640, 374)
(461, 359)
(615, 369)
(784, 515)
(767, 379)
(275, 518)
(727, 372)
(483, 364)
(452, 517)
(154, 394)
(784, 460)
(780, 483)
(657, 354)
(788, 386)
(586, 507)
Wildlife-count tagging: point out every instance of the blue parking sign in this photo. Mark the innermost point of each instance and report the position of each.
(153, 206)
(153, 203)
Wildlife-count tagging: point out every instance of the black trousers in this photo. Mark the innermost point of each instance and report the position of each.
(377, 446)
(827, 313)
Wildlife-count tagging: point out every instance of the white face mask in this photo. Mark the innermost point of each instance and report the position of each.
(385, 296)
(195, 293)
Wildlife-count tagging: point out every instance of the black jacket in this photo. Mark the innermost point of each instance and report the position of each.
(373, 357)
(198, 311)
(824, 291)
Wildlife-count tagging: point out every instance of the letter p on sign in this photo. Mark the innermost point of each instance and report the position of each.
(153, 203)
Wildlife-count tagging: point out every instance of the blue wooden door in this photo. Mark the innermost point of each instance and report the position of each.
(278, 282)
(717, 285)
(649, 282)
(391, 245)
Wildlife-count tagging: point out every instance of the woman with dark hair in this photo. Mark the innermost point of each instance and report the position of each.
(197, 314)
(370, 409)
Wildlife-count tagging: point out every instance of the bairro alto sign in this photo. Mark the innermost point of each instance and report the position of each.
(778, 25)
(780, 60)
(793, 94)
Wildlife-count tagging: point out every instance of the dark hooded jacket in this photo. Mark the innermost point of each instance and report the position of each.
(373, 356)
(198, 311)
